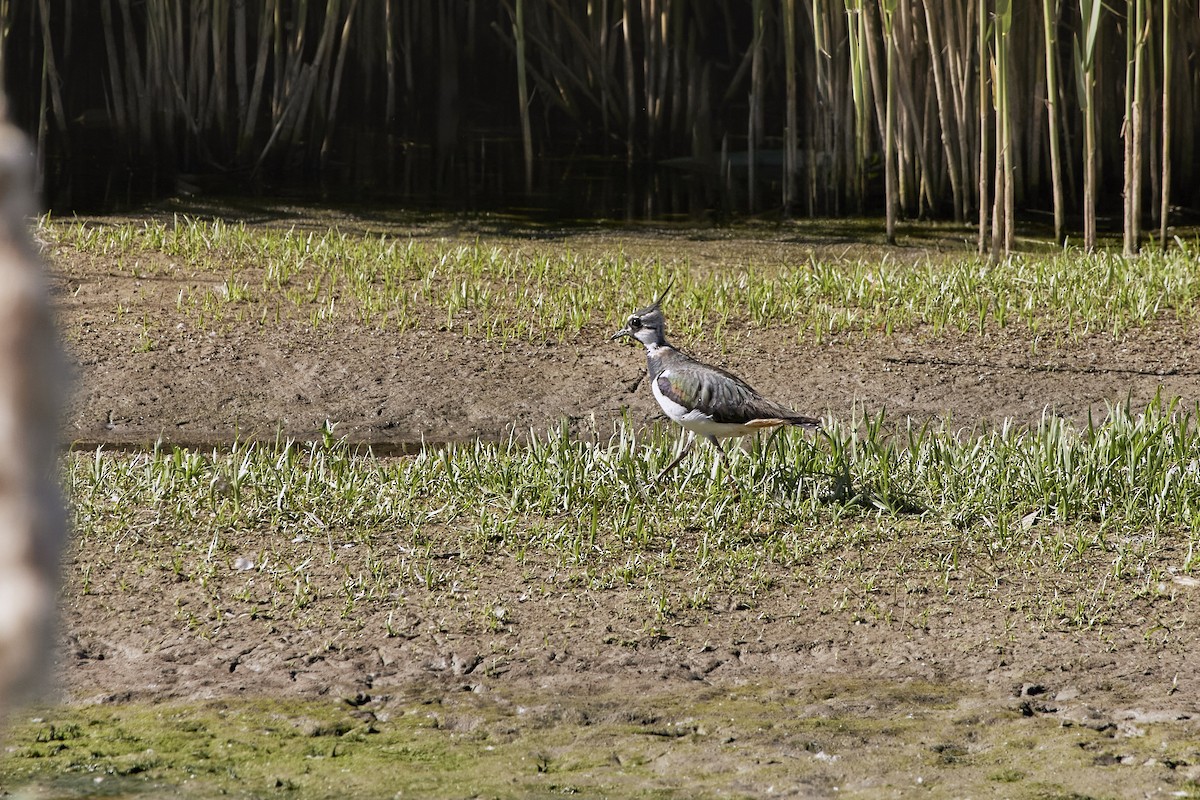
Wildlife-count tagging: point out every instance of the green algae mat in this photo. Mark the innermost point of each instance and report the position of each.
(831, 739)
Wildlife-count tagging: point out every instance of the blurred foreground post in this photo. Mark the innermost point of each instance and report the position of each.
(32, 522)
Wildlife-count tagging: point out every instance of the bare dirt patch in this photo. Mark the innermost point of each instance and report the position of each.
(573, 655)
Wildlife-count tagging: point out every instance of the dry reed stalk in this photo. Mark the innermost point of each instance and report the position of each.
(916, 191)
(51, 78)
(291, 84)
(599, 33)
(241, 78)
(158, 74)
(1127, 133)
(1131, 130)
(407, 28)
(1143, 70)
(668, 52)
(887, 8)
(389, 60)
(314, 76)
(820, 109)
(984, 72)
(286, 70)
(1026, 95)
(1085, 73)
(265, 42)
(734, 87)
(841, 125)
(1004, 13)
(950, 137)
(124, 78)
(674, 50)
(959, 46)
(630, 91)
(1164, 214)
(649, 68)
(139, 104)
(116, 84)
(755, 121)
(217, 109)
(859, 85)
(1002, 208)
(788, 11)
(1050, 11)
(330, 120)
(1150, 115)
(523, 93)
(170, 45)
(822, 146)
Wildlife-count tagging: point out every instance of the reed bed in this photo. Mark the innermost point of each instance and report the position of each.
(794, 106)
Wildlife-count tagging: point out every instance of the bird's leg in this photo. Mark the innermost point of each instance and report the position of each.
(725, 462)
(686, 449)
(720, 450)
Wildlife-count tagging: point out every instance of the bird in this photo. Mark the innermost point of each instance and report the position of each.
(705, 400)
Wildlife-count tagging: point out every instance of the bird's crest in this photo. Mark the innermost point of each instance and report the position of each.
(658, 303)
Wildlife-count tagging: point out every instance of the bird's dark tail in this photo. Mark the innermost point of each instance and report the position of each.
(808, 423)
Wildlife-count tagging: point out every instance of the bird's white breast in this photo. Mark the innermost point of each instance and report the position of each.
(673, 410)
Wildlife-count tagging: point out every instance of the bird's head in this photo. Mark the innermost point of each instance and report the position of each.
(647, 325)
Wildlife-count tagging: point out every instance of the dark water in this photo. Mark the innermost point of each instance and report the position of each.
(485, 175)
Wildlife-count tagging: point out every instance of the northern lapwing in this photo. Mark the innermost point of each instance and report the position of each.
(705, 400)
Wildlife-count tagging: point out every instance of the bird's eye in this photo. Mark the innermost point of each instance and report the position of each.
(635, 323)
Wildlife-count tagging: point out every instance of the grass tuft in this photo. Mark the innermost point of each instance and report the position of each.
(1118, 498)
(523, 292)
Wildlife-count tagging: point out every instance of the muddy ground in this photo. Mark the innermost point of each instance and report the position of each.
(1115, 689)
(396, 388)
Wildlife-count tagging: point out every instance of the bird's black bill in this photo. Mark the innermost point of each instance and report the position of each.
(621, 333)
